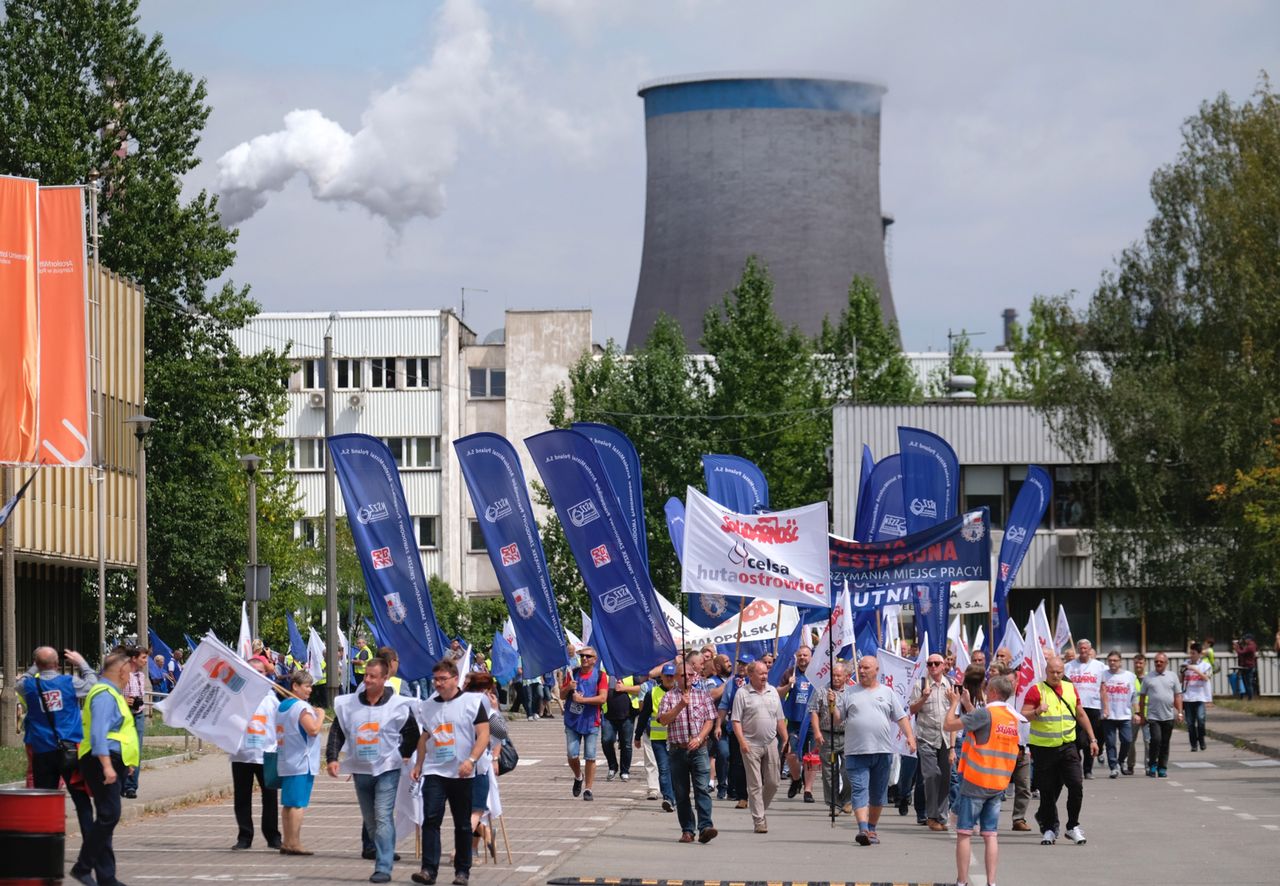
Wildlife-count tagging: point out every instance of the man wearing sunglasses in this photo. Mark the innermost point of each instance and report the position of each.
(930, 702)
(584, 692)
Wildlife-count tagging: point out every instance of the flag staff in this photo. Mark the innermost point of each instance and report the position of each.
(831, 713)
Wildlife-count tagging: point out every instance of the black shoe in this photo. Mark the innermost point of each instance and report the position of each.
(85, 878)
(369, 854)
(667, 807)
(794, 789)
(379, 877)
(902, 807)
(460, 879)
(808, 796)
(577, 787)
(586, 795)
(424, 877)
(240, 845)
(130, 795)
(275, 844)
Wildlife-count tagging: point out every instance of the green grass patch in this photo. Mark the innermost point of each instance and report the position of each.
(13, 761)
(1259, 707)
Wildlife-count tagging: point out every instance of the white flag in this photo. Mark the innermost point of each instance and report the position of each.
(1032, 669)
(464, 666)
(958, 649)
(979, 636)
(509, 634)
(408, 800)
(217, 696)
(1043, 634)
(897, 673)
(315, 655)
(1062, 632)
(779, 556)
(837, 635)
(586, 627)
(892, 629)
(575, 641)
(245, 644)
(1013, 642)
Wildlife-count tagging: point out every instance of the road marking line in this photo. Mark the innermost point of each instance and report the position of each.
(1246, 816)
(528, 869)
(1188, 790)
(1260, 763)
(1272, 827)
(549, 852)
(1207, 799)
(1195, 764)
(1227, 808)
(1175, 784)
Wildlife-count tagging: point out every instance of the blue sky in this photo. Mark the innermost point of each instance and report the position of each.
(1018, 140)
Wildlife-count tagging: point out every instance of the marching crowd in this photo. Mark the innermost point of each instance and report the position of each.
(708, 729)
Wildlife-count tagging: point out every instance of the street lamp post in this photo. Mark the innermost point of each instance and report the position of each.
(141, 426)
(250, 463)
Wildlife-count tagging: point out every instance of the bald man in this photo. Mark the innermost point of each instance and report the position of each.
(52, 700)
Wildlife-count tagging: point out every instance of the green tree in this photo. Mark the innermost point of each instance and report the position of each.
(84, 93)
(860, 355)
(1174, 362)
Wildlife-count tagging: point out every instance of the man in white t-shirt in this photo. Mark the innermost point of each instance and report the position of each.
(455, 733)
(1086, 673)
(1119, 692)
(1197, 692)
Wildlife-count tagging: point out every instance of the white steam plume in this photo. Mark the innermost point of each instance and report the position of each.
(396, 163)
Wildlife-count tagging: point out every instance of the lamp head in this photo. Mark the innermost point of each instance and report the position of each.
(141, 424)
(250, 463)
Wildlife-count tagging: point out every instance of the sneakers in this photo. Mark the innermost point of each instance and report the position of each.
(1115, 773)
(586, 795)
(1076, 835)
(667, 807)
(1088, 776)
(1151, 772)
(460, 879)
(380, 877)
(625, 777)
(1194, 748)
(1048, 838)
(1162, 773)
(875, 840)
(1127, 770)
(794, 789)
(1202, 747)
(652, 795)
(1021, 825)
(762, 828)
(577, 787)
(532, 717)
(613, 773)
(863, 838)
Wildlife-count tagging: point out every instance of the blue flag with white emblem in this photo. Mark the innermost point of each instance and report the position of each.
(930, 490)
(623, 601)
(674, 511)
(387, 548)
(491, 469)
(1024, 519)
(622, 466)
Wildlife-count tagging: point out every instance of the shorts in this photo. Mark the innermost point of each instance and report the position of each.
(579, 745)
(295, 790)
(868, 778)
(976, 810)
(793, 740)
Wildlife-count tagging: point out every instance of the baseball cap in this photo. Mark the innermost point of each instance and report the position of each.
(746, 658)
(668, 670)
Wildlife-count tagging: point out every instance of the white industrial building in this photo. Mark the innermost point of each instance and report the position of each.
(420, 380)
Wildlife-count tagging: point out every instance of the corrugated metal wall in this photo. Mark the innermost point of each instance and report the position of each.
(355, 334)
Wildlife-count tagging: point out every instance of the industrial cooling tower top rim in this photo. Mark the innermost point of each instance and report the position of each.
(741, 90)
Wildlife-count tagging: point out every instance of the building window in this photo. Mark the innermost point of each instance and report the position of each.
(428, 532)
(1121, 621)
(1073, 497)
(312, 375)
(382, 372)
(476, 543)
(424, 452)
(488, 383)
(396, 445)
(308, 454)
(984, 487)
(418, 372)
(311, 531)
(348, 374)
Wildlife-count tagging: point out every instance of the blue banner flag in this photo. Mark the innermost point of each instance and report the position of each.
(388, 551)
(735, 483)
(882, 514)
(373, 631)
(930, 488)
(865, 642)
(674, 509)
(158, 647)
(191, 644)
(623, 601)
(622, 467)
(1024, 519)
(491, 469)
(297, 646)
(958, 549)
(864, 489)
(505, 660)
(787, 653)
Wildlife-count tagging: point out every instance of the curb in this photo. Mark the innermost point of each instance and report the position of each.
(137, 811)
(1247, 744)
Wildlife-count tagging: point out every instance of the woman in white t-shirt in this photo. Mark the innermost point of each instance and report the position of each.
(1197, 692)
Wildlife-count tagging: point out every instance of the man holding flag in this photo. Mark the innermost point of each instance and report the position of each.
(689, 715)
(246, 767)
(584, 692)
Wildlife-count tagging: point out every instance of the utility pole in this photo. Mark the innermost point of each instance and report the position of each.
(332, 673)
(9, 695)
(99, 432)
(250, 463)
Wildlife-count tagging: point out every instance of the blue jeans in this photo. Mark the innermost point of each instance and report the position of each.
(722, 764)
(615, 738)
(131, 780)
(975, 810)
(377, 796)
(578, 744)
(1193, 712)
(869, 778)
(691, 769)
(1111, 729)
(659, 746)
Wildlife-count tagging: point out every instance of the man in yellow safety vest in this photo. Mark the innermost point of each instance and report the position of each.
(1055, 713)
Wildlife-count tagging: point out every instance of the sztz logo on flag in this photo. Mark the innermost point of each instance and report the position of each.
(583, 513)
(600, 556)
(499, 509)
(1015, 534)
(223, 672)
(382, 558)
(524, 602)
(373, 513)
(892, 524)
(396, 609)
(924, 507)
(510, 554)
(617, 599)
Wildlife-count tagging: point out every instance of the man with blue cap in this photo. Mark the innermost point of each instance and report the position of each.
(724, 726)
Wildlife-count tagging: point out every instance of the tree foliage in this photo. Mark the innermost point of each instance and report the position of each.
(83, 93)
(1174, 362)
(760, 390)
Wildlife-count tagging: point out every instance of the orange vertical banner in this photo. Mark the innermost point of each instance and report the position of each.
(19, 318)
(63, 396)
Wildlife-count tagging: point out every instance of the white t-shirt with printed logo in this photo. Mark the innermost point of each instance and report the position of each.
(1197, 682)
(1087, 679)
(1121, 689)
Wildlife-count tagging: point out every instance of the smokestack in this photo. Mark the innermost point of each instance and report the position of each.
(1010, 319)
(783, 167)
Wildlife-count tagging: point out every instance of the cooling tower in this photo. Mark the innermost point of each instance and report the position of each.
(783, 167)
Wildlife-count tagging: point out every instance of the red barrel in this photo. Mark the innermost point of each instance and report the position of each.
(32, 835)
